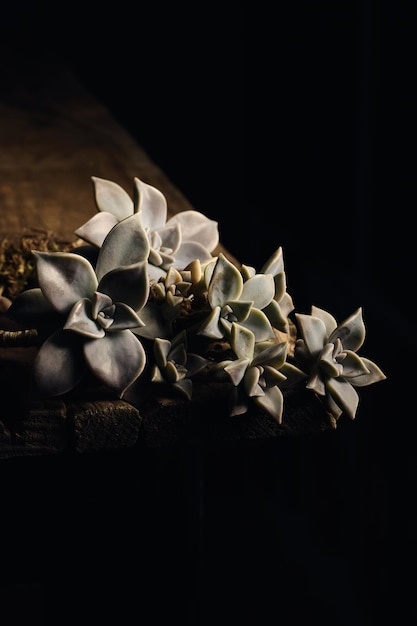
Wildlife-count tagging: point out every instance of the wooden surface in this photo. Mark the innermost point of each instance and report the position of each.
(54, 135)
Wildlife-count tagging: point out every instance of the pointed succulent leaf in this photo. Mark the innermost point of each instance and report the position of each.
(64, 278)
(280, 281)
(251, 382)
(272, 402)
(316, 383)
(95, 230)
(226, 325)
(276, 317)
(210, 327)
(80, 320)
(59, 365)
(247, 271)
(154, 237)
(286, 304)
(327, 362)
(195, 271)
(101, 302)
(170, 372)
(124, 317)
(126, 244)
(353, 364)
(327, 319)
(183, 287)
(156, 375)
(170, 237)
(344, 395)
(260, 290)
(242, 342)
(173, 277)
(374, 375)
(314, 333)
(208, 269)
(351, 332)
(111, 197)
(151, 203)
(106, 322)
(226, 283)
(273, 376)
(236, 370)
(240, 309)
(161, 348)
(259, 324)
(188, 252)
(116, 359)
(159, 291)
(128, 284)
(197, 227)
(270, 353)
(275, 263)
(162, 256)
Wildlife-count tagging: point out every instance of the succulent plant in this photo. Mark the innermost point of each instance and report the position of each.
(90, 313)
(231, 299)
(280, 307)
(328, 353)
(174, 366)
(255, 372)
(145, 307)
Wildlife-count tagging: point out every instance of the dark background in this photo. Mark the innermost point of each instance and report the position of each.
(293, 126)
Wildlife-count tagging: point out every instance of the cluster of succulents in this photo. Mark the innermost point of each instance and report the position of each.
(143, 301)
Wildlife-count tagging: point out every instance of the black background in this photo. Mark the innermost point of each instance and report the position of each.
(293, 125)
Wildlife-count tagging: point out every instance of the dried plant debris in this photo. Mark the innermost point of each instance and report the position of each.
(17, 267)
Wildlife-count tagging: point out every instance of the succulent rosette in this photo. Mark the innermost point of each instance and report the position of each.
(235, 300)
(173, 242)
(327, 352)
(279, 308)
(255, 373)
(90, 313)
(174, 365)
